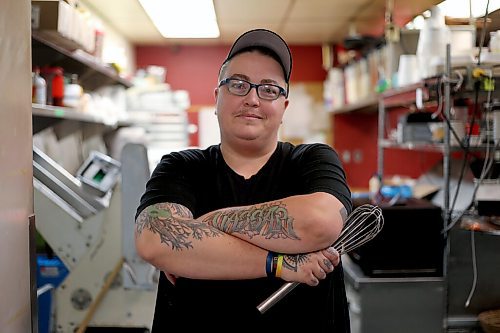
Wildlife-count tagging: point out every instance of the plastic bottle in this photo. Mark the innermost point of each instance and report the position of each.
(48, 74)
(431, 47)
(39, 88)
(494, 44)
(72, 92)
(374, 185)
(58, 87)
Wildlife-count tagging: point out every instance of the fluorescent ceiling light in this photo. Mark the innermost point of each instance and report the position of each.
(183, 18)
(462, 8)
(459, 9)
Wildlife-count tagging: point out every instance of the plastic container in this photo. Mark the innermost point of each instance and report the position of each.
(49, 271)
(408, 70)
(72, 92)
(431, 47)
(39, 88)
(494, 45)
(390, 191)
(374, 185)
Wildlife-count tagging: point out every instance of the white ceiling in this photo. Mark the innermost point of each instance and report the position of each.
(298, 21)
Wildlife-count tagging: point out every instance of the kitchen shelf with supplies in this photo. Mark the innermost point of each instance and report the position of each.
(92, 73)
(415, 94)
(418, 99)
(45, 116)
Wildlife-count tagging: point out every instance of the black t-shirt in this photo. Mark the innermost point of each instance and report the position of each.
(201, 181)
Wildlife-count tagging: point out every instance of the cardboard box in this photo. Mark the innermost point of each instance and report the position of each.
(54, 20)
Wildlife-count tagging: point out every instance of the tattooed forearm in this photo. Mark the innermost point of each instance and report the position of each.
(271, 221)
(174, 224)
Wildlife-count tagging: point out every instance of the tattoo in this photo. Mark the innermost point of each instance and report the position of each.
(343, 214)
(271, 221)
(174, 224)
(328, 264)
(293, 262)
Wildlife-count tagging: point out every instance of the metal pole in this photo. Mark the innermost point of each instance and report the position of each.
(446, 176)
(381, 130)
(446, 153)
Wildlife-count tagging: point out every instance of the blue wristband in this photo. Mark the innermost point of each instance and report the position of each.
(269, 264)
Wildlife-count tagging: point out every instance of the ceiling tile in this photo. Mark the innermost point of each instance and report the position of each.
(300, 21)
(301, 32)
(312, 10)
(271, 11)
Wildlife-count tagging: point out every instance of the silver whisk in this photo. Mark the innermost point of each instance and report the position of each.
(361, 226)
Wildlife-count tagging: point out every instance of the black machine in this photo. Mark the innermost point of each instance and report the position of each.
(410, 244)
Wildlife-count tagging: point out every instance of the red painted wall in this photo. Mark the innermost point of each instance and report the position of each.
(195, 68)
(357, 133)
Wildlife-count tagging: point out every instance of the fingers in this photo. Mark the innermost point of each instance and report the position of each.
(332, 255)
(327, 260)
(327, 265)
(313, 282)
(312, 267)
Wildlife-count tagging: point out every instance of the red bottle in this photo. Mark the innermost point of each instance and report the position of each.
(58, 87)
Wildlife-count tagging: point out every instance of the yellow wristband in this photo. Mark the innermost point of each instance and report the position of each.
(279, 265)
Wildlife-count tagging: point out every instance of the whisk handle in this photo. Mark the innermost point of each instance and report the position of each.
(276, 296)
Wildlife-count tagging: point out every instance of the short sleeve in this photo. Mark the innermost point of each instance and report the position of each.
(169, 182)
(321, 171)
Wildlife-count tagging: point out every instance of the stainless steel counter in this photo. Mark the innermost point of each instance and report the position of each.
(393, 305)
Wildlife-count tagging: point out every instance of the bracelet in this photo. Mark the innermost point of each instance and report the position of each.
(269, 264)
(279, 266)
(275, 263)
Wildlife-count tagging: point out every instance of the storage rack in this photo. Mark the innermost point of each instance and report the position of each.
(92, 74)
(419, 94)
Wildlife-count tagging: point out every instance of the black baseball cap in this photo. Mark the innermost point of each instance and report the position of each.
(266, 39)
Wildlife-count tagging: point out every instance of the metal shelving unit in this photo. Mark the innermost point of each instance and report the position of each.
(418, 94)
(457, 317)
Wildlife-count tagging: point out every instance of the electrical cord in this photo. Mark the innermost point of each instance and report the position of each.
(440, 109)
(474, 268)
(486, 168)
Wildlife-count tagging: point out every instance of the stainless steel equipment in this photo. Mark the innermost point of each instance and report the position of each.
(393, 305)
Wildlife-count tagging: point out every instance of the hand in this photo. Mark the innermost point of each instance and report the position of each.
(311, 267)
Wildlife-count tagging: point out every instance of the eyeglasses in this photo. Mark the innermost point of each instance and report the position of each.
(241, 87)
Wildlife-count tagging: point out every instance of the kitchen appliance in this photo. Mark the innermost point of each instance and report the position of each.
(411, 243)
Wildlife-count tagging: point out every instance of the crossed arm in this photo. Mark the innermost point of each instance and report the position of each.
(233, 243)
